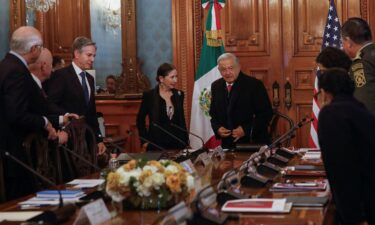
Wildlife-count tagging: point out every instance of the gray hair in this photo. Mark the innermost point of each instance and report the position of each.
(228, 55)
(80, 42)
(24, 38)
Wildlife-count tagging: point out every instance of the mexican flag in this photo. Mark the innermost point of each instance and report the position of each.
(207, 73)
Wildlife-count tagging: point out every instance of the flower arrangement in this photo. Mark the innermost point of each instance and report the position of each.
(160, 182)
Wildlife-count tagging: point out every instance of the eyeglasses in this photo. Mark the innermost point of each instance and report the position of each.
(40, 47)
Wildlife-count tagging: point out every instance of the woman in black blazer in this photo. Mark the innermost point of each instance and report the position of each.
(164, 106)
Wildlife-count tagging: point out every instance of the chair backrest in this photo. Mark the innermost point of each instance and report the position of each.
(42, 157)
(274, 126)
(83, 142)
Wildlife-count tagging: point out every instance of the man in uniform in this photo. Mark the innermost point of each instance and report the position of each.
(357, 43)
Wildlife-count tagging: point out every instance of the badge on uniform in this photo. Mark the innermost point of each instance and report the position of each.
(359, 75)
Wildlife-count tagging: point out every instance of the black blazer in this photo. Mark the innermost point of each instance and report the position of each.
(346, 139)
(154, 106)
(247, 106)
(20, 110)
(65, 91)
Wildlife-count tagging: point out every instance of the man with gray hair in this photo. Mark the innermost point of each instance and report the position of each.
(18, 117)
(240, 108)
(72, 89)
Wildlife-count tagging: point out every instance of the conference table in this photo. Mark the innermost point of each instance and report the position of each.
(297, 216)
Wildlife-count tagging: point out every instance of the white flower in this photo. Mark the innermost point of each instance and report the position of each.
(126, 175)
(172, 169)
(147, 182)
(190, 182)
(157, 180)
(153, 169)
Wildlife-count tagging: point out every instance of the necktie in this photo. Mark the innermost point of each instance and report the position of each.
(229, 87)
(84, 87)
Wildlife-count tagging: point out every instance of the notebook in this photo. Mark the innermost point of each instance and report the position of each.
(307, 201)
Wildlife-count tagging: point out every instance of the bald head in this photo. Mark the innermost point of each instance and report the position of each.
(43, 65)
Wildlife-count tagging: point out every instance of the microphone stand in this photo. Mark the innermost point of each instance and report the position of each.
(197, 152)
(80, 158)
(183, 154)
(164, 154)
(58, 215)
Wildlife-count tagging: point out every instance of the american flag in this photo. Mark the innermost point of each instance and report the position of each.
(331, 37)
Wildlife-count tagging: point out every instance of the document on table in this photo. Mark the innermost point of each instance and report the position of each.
(86, 183)
(18, 216)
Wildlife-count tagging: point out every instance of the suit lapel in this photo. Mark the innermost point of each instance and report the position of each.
(235, 93)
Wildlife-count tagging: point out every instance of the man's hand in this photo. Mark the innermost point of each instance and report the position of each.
(238, 133)
(101, 148)
(52, 135)
(223, 132)
(67, 117)
(63, 137)
(144, 147)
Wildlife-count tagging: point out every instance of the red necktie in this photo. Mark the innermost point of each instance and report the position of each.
(229, 87)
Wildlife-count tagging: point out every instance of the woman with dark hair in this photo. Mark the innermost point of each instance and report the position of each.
(164, 107)
(346, 138)
(331, 57)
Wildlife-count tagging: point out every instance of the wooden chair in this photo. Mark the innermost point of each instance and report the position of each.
(83, 142)
(42, 155)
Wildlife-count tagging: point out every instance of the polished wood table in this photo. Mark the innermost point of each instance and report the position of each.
(297, 216)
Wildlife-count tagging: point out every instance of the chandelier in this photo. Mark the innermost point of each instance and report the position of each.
(40, 5)
(111, 16)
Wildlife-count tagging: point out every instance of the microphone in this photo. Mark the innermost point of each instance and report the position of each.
(164, 151)
(116, 146)
(197, 152)
(80, 157)
(189, 132)
(225, 192)
(62, 213)
(169, 133)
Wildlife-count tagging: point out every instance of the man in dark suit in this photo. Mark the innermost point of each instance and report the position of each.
(357, 43)
(240, 109)
(18, 114)
(40, 71)
(73, 90)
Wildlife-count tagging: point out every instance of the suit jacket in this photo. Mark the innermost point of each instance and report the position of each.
(154, 106)
(346, 138)
(65, 91)
(247, 106)
(363, 74)
(20, 111)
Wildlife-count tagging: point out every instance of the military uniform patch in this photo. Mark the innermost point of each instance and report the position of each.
(358, 75)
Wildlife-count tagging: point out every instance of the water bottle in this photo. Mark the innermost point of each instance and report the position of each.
(113, 162)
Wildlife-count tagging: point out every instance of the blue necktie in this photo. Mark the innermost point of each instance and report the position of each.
(84, 87)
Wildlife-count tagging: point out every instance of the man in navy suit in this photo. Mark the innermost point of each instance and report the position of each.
(72, 88)
(240, 108)
(18, 114)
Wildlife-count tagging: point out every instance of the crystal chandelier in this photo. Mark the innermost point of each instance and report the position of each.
(40, 5)
(111, 17)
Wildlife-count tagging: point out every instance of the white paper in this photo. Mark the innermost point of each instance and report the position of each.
(95, 213)
(18, 216)
(86, 183)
